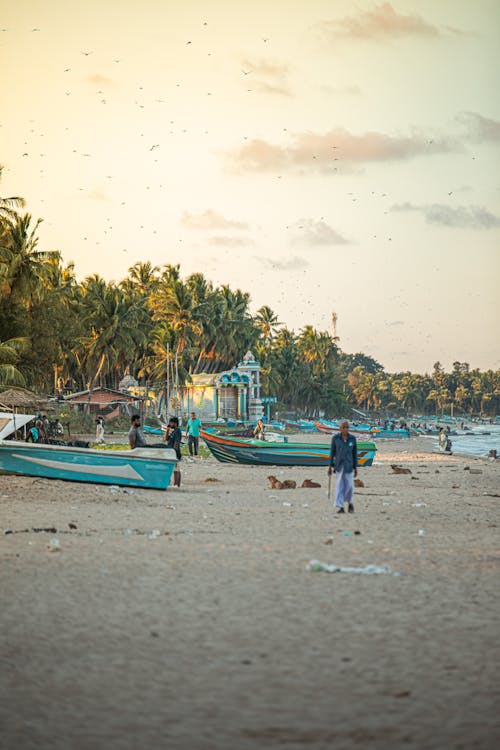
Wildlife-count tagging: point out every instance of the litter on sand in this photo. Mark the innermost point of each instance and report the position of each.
(316, 566)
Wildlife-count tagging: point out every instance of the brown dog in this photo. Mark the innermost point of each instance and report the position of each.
(399, 469)
(275, 484)
(308, 483)
(287, 484)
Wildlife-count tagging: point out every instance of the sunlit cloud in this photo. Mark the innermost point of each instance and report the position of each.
(336, 150)
(209, 220)
(461, 217)
(295, 263)
(266, 76)
(382, 22)
(310, 232)
(98, 195)
(226, 241)
(99, 79)
(479, 129)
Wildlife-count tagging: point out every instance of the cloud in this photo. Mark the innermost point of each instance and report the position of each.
(98, 195)
(383, 22)
(335, 151)
(294, 263)
(479, 129)
(312, 232)
(209, 220)
(224, 241)
(99, 80)
(461, 217)
(266, 76)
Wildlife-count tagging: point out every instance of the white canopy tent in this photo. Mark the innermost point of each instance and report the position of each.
(10, 422)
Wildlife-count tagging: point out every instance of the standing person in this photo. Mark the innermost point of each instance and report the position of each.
(259, 431)
(442, 439)
(344, 463)
(39, 424)
(193, 433)
(135, 436)
(174, 438)
(99, 430)
(33, 435)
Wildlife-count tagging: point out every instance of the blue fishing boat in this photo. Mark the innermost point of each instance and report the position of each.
(263, 453)
(154, 430)
(141, 467)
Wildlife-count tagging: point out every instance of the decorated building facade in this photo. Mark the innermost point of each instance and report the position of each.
(233, 394)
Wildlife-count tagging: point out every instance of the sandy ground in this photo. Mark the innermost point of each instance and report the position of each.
(213, 634)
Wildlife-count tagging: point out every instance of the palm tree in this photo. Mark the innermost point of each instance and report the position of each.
(114, 329)
(267, 322)
(174, 303)
(142, 279)
(367, 387)
(8, 206)
(461, 396)
(21, 264)
(9, 355)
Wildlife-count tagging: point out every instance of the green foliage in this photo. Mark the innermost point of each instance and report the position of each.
(94, 332)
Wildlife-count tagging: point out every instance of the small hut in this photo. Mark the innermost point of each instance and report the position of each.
(20, 399)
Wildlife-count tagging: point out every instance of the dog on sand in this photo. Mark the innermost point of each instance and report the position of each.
(308, 483)
(287, 484)
(399, 469)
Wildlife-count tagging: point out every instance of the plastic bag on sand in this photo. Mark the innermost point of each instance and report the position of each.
(317, 566)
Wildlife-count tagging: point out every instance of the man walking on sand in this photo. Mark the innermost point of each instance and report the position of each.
(344, 463)
(193, 433)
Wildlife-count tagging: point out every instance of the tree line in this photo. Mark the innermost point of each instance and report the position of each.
(92, 332)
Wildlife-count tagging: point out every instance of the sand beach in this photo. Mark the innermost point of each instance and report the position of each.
(188, 619)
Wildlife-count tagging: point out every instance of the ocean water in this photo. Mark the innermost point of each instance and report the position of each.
(475, 443)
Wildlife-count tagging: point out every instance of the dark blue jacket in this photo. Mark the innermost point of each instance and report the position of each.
(344, 453)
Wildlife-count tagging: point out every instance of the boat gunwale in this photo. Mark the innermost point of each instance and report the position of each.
(252, 443)
(134, 453)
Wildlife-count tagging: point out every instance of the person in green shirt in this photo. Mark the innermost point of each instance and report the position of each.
(193, 433)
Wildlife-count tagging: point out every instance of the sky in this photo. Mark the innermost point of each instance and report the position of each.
(324, 156)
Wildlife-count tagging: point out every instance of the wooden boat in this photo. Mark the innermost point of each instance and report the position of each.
(260, 452)
(141, 467)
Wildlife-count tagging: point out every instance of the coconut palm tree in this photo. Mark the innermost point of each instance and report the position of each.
(21, 264)
(142, 279)
(267, 322)
(10, 352)
(173, 302)
(367, 387)
(9, 206)
(115, 330)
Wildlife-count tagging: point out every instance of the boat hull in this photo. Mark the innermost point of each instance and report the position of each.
(260, 453)
(141, 467)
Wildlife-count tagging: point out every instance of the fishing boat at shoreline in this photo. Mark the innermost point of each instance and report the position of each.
(263, 453)
(141, 467)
